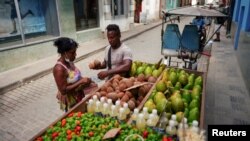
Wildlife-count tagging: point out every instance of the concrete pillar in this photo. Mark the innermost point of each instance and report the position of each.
(131, 8)
(107, 9)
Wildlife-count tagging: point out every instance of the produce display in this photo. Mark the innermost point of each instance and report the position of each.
(89, 127)
(154, 70)
(177, 95)
(171, 105)
(115, 89)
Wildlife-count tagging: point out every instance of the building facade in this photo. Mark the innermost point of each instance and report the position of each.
(240, 31)
(28, 28)
(150, 10)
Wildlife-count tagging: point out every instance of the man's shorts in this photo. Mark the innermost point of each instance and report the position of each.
(216, 26)
(13, 14)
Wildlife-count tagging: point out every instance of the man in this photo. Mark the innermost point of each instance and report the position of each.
(118, 57)
(219, 21)
(200, 23)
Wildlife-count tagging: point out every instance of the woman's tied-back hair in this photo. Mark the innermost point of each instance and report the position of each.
(65, 44)
(115, 28)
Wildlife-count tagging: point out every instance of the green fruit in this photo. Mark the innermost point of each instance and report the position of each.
(168, 115)
(161, 68)
(194, 104)
(173, 77)
(198, 81)
(153, 67)
(182, 72)
(169, 84)
(177, 86)
(187, 96)
(171, 70)
(186, 112)
(152, 95)
(158, 96)
(150, 105)
(161, 104)
(183, 79)
(160, 86)
(176, 94)
(133, 69)
(148, 71)
(140, 70)
(198, 87)
(188, 86)
(198, 97)
(168, 107)
(165, 76)
(191, 79)
(179, 116)
(185, 103)
(138, 63)
(195, 92)
(177, 105)
(193, 115)
(156, 73)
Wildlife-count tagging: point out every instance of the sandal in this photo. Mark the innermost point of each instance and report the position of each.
(216, 40)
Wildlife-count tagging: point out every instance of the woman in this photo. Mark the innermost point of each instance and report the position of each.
(68, 78)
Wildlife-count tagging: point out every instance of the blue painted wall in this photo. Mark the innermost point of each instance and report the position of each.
(239, 6)
(240, 32)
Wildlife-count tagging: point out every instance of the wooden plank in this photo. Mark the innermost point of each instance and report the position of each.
(138, 85)
(203, 99)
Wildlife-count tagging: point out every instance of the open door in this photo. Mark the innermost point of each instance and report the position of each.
(138, 9)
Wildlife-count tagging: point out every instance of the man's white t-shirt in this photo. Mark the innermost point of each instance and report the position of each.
(118, 55)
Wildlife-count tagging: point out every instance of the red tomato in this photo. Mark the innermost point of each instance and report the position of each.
(69, 132)
(78, 128)
(63, 122)
(39, 139)
(69, 137)
(70, 114)
(170, 139)
(91, 134)
(55, 134)
(164, 138)
(145, 134)
(79, 114)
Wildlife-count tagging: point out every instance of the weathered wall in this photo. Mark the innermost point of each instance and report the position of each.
(243, 53)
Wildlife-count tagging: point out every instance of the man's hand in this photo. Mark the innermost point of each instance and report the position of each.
(101, 75)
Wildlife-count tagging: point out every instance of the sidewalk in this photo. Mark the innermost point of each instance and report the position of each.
(9, 80)
(227, 98)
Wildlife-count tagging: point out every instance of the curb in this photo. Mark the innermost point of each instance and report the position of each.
(36, 76)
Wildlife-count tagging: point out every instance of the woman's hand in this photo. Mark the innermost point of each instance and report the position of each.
(85, 81)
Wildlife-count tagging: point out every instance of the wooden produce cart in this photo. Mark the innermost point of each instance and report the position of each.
(82, 107)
